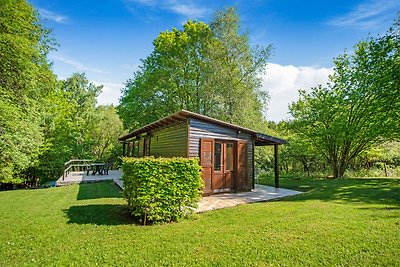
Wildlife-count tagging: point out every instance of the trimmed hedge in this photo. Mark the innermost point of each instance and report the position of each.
(161, 189)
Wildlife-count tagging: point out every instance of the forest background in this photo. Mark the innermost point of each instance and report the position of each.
(348, 127)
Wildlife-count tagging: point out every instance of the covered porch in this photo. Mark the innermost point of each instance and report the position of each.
(267, 140)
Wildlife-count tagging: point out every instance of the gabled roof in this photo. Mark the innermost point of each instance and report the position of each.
(260, 138)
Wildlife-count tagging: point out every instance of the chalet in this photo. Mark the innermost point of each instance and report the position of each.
(226, 151)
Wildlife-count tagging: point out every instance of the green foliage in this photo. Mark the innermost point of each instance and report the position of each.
(26, 82)
(81, 96)
(77, 128)
(161, 189)
(208, 69)
(235, 73)
(359, 108)
(105, 133)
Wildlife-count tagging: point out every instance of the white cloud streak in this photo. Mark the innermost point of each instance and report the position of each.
(369, 15)
(188, 9)
(53, 16)
(283, 83)
(76, 64)
(130, 67)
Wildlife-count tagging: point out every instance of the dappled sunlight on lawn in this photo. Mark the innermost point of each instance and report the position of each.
(373, 191)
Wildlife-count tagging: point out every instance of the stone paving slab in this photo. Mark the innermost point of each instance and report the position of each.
(259, 194)
(219, 201)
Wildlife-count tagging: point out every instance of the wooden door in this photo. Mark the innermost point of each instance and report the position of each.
(219, 165)
(222, 178)
(241, 173)
(228, 165)
(206, 162)
(218, 175)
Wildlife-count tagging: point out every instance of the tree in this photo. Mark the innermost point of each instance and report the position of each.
(234, 73)
(106, 132)
(82, 97)
(77, 128)
(25, 82)
(170, 79)
(69, 123)
(385, 156)
(211, 70)
(359, 107)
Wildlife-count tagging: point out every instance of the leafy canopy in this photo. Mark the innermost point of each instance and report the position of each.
(208, 69)
(359, 107)
(26, 80)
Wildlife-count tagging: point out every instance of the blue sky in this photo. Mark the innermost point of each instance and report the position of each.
(106, 39)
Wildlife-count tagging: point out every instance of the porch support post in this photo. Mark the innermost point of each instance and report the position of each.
(123, 148)
(276, 166)
(254, 166)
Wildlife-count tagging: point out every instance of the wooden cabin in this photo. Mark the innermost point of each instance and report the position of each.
(226, 151)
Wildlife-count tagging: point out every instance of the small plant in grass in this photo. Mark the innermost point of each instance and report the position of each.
(161, 189)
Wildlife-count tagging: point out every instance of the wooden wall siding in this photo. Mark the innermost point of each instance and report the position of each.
(141, 147)
(170, 142)
(200, 129)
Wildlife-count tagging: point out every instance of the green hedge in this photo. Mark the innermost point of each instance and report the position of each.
(161, 189)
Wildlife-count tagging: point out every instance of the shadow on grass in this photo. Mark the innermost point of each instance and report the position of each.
(98, 190)
(366, 190)
(101, 214)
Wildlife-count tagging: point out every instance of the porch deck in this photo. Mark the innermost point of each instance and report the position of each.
(224, 200)
(81, 177)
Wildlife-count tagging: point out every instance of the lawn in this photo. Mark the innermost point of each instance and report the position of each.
(350, 222)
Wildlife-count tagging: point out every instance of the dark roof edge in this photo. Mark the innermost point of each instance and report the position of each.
(188, 114)
(133, 133)
(273, 139)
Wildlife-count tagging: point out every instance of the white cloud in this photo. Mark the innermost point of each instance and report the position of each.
(110, 94)
(188, 9)
(368, 15)
(130, 67)
(283, 83)
(50, 15)
(74, 63)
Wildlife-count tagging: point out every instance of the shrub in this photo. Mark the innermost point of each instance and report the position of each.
(161, 189)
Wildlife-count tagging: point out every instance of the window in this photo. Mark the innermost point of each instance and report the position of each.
(229, 156)
(217, 156)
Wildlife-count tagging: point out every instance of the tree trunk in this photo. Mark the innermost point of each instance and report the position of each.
(384, 165)
(338, 169)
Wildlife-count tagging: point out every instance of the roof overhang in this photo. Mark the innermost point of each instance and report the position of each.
(267, 140)
(260, 138)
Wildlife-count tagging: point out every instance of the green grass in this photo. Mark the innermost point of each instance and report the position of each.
(349, 222)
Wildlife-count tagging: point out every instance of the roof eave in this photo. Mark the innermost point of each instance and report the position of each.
(182, 115)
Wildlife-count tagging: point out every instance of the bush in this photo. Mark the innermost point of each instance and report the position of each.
(161, 189)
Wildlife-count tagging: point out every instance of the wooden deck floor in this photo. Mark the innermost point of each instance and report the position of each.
(81, 177)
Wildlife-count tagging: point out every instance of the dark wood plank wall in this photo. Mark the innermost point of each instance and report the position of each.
(200, 129)
(170, 142)
(141, 147)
